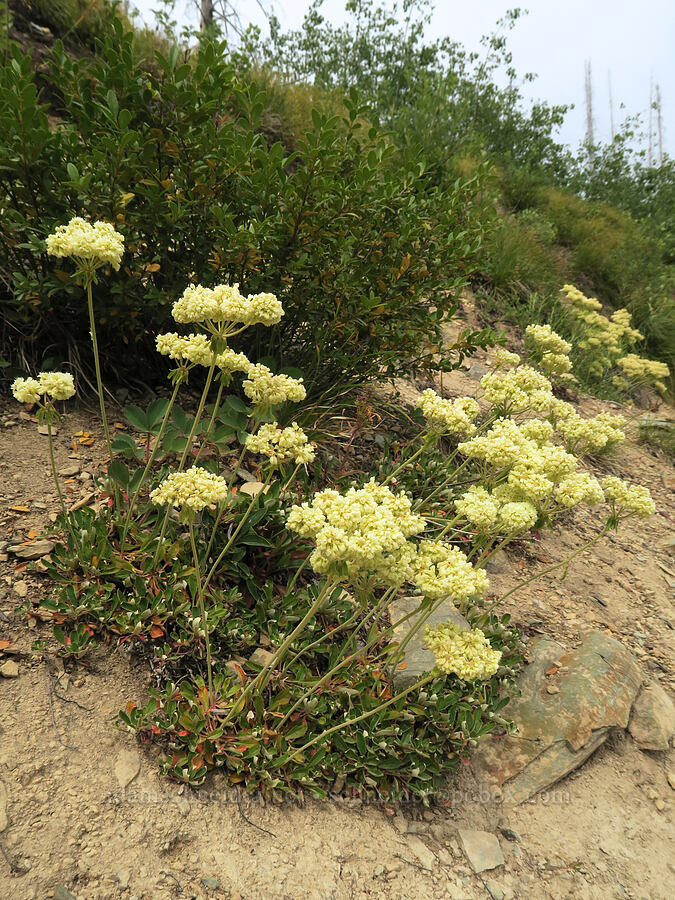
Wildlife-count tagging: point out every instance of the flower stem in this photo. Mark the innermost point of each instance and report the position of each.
(564, 562)
(261, 677)
(202, 611)
(365, 715)
(97, 364)
(64, 508)
(148, 465)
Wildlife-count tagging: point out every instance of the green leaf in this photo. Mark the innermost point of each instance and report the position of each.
(137, 418)
(119, 472)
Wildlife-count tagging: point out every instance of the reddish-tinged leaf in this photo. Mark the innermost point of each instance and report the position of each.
(156, 631)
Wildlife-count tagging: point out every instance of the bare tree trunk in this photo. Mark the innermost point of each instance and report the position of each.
(206, 14)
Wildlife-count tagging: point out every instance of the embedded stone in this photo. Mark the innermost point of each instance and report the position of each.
(481, 849)
(556, 733)
(652, 722)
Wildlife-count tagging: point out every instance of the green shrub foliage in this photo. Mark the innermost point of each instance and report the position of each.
(365, 252)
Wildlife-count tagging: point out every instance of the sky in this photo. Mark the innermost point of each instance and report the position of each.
(631, 42)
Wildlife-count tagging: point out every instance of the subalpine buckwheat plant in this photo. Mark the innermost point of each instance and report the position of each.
(266, 609)
(603, 346)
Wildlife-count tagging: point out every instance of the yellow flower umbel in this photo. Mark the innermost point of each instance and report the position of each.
(55, 385)
(43, 390)
(358, 534)
(628, 499)
(190, 491)
(467, 654)
(266, 390)
(92, 246)
(449, 416)
(26, 390)
(281, 444)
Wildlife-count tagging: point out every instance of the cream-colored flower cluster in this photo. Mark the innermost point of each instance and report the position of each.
(629, 498)
(467, 654)
(267, 390)
(546, 340)
(518, 390)
(579, 487)
(449, 416)
(281, 444)
(644, 371)
(196, 349)
(56, 385)
(192, 490)
(361, 532)
(224, 303)
(589, 436)
(479, 507)
(192, 348)
(603, 338)
(98, 244)
(549, 351)
(505, 358)
(441, 570)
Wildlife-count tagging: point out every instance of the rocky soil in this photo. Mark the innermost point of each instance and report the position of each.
(84, 814)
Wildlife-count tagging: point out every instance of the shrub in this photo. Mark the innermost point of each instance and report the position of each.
(366, 255)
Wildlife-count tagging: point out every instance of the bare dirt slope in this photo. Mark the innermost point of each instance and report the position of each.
(67, 824)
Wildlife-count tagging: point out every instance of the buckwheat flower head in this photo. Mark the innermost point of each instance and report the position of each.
(518, 389)
(98, 244)
(467, 654)
(26, 390)
(57, 385)
(506, 358)
(633, 498)
(449, 416)
(192, 348)
(546, 340)
(517, 516)
(580, 487)
(555, 364)
(266, 389)
(501, 446)
(197, 304)
(442, 570)
(192, 489)
(361, 532)
(478, 507)
(256, 309)
(229, 361)
(537, 430)
(531, 481)
(281, 444)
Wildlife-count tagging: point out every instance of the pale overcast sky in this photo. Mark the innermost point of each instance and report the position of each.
(634, 41)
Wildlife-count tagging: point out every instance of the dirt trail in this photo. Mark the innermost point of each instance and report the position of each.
(66, 823)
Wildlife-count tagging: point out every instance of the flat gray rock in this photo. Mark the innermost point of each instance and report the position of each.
(652, 721)
(481, 849)
(127, 767)
(417, 659)
(568, 704)
(32, 551)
